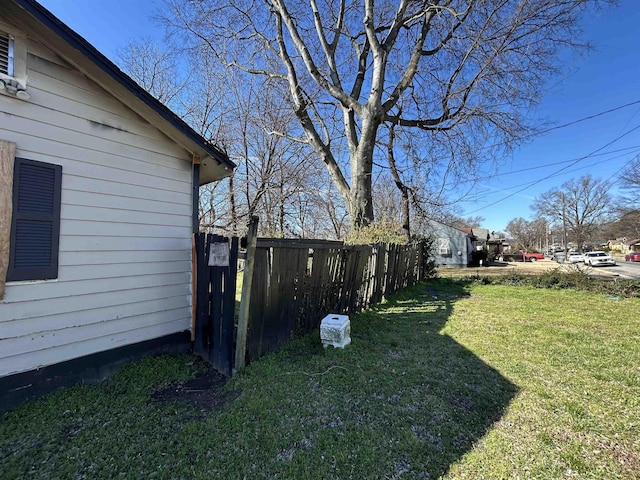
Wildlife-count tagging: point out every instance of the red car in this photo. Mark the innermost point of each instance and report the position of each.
(632, 257)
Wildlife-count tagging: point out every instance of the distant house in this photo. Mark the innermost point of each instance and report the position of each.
(624, 245)
(453, 246)
(491, 242)
(99, 200)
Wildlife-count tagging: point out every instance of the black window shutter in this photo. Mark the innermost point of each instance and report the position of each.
(35, 225)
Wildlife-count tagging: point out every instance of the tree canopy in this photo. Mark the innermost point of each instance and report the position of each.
(456, 73)
(581, 205)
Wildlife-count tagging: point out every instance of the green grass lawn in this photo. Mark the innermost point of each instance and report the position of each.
(448, 379)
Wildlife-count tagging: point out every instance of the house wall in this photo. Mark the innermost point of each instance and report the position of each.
(458, 242)
(125, 239)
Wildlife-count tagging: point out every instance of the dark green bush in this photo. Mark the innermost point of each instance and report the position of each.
(575, 277)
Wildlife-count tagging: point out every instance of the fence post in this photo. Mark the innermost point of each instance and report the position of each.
(421, 247)
(245, 297)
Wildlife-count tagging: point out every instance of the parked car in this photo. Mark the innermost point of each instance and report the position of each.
(575, 257)
(533, 256)
(598, 259)
(519, 256)
(632, 257)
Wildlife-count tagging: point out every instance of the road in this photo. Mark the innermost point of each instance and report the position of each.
(626, 270)
(623, 270)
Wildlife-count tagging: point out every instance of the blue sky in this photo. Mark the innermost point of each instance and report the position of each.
(603, 79)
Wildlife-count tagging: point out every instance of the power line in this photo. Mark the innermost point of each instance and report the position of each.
(527, 184)
(630, 104)
(558, 171)
(564, 125)
(542, 132)
(636, 148)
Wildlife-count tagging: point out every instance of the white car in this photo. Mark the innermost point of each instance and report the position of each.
(575, 257)
(598, 259)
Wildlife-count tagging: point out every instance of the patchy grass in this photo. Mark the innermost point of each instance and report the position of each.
(450, 379)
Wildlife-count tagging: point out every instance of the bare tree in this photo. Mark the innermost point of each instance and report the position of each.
(631, 179)
(528, 235)
(461, 222)
(154, 68)
(237, 113)
(627, 207)
(453, 65)
(626, 224)
(581, 205)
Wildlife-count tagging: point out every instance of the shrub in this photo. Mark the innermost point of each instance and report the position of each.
(575, 277)
(377, 232)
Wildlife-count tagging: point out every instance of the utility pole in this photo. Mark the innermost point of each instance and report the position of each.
(564, 227)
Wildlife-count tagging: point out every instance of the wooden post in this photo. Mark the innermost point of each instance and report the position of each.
(7, 154)
(245, 297)
(194, 286)
(195, 195)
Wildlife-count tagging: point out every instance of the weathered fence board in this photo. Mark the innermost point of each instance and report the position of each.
(297, 282)
(215, 302)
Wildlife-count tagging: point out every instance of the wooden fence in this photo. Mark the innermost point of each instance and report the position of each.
(213, 330)
(295, 283)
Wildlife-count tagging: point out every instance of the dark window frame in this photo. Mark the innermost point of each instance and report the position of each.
(40, 272)
(7, 53)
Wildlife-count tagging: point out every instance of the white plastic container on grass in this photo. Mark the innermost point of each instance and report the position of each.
(335, 330)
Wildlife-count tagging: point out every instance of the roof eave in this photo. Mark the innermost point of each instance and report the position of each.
(74, 49)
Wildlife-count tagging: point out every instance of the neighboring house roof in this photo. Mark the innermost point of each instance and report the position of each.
(49, 30)
(469, 231)
(466, 230)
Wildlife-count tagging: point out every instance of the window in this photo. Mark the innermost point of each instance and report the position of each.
(13, 62)
(35, 225)
(444, 246)
(6, 54)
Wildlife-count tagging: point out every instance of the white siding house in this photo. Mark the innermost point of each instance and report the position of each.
(452, 246)
(124, 268)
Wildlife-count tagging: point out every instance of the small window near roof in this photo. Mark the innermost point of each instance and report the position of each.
(6, 54)
(13, 62)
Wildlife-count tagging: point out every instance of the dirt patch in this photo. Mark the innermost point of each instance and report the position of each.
(203, 393)
(500, 268)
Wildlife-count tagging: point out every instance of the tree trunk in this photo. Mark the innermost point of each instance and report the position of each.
(404, 191)
(232, 206)
(281, 207)
(361, 210)
(361, 201)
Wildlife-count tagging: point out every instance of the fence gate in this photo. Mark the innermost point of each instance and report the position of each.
(216, 267)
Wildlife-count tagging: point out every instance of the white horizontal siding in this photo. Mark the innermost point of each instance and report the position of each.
(131, 215)
(125, 239)
(113, 164)
(80, 333)
(43, 291)
(118, 203)
(132, 256)
(83, 304)
(119, 229)
(94, 243)
(34, 326)
(57, 354)
(121, 191)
